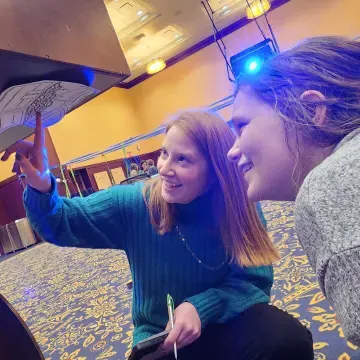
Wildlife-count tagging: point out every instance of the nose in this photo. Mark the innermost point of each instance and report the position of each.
(234, 153)
(165, 168)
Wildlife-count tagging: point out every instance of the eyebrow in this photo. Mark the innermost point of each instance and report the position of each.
(239, 120)
(186, 154)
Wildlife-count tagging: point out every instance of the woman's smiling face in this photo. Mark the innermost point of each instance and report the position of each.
(184, 170)
(261, 150)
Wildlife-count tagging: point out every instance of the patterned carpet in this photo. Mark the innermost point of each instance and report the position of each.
(78, 307)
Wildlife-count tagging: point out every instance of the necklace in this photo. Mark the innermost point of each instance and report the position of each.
(212, 268)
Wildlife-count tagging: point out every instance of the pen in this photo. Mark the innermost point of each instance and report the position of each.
(170, 305)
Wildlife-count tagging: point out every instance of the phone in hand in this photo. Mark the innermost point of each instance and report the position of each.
(148, 346)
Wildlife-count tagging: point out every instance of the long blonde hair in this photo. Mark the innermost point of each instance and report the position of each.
(242, 232)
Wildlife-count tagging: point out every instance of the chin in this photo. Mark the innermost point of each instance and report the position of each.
(273, 194)
(254, 196)
(173, 199)
(168, 198)
(256, 193)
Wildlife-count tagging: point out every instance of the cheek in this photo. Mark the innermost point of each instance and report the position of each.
(194, 177)
(203, 179)
(250, 141)
(159, 163)
(265, 138)
(272, 156)
(187, 176)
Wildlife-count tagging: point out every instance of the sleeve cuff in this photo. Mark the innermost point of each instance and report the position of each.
(34, 200)
(207, 306)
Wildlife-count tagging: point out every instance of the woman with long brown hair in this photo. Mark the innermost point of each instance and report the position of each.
(298, 138)
(190, 232)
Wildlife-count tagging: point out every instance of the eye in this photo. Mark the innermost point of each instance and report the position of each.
(183, 160)
(163, 153)
(239, 127)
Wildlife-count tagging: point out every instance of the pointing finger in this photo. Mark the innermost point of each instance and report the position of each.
(39, 139)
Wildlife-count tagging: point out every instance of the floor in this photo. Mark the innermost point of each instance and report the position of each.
(77, 304)
(9, 255)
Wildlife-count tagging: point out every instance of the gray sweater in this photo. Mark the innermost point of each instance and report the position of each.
(327, 213)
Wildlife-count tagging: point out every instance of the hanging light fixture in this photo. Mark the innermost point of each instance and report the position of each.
(155, 66)
(257, 8)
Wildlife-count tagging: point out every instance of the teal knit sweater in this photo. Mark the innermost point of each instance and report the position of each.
(117, 218)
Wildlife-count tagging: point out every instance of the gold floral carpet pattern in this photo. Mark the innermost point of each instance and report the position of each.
(78, 307)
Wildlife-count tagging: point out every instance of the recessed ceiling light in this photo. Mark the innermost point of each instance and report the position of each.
(144, 18)
(155, 66)
(225, 7)
(226, 12)
(177, 36)
(257, 8)
(140, 12)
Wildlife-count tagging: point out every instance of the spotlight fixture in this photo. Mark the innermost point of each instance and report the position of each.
(251, 60)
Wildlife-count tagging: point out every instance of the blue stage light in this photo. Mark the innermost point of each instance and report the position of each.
(89, 76)
(252, 66)
(251, 60)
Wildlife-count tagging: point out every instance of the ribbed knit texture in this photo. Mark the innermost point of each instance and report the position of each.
(118, 218)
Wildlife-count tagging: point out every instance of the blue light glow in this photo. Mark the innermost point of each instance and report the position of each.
(89, 75)
(253, 65)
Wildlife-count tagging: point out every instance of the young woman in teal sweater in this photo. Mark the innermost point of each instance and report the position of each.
(190, 232)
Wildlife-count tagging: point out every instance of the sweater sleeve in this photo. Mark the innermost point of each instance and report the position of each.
(92, 222)
(343, 291)
(327, 222)
(241, 288)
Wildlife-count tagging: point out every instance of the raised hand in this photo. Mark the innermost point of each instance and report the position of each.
(31, 159)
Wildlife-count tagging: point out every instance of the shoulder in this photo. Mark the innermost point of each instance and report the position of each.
(337, 178)
(128, 193)
(123, 197)
(326, 210)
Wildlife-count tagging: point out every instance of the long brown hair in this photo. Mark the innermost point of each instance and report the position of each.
(241, 229)
(327, 64)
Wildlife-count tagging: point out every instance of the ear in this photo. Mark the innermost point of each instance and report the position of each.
(316, 96)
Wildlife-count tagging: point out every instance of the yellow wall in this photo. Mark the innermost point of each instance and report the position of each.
(201, 78)
(108, 119)
(196, 81)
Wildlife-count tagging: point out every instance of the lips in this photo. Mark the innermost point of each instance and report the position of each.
(247, 167)
(171, 185)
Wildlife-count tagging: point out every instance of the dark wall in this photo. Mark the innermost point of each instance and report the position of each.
(87, 173)
(11, 190)
(11, 205)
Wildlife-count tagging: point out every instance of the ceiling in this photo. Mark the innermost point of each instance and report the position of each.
(148, 29)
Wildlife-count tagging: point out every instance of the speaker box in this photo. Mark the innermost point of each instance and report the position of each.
(16, 235)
